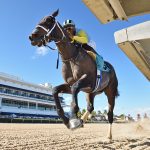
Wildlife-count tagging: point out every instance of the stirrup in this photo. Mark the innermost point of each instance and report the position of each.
(98, 80)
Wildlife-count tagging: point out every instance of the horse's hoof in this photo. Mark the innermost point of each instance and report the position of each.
(68, 125)
(75, 123)
(109, 138)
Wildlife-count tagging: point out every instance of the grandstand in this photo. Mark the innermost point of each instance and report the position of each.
(23, 99)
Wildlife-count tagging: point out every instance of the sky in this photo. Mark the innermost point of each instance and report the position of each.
(38, 65)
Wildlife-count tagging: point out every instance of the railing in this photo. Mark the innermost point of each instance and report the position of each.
(14, 109)
(12, 94)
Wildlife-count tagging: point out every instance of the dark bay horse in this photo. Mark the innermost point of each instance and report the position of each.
(78, 70)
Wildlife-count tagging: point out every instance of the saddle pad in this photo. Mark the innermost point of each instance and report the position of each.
(102, 80)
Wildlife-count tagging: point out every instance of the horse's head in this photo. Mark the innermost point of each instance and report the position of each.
(45, 31)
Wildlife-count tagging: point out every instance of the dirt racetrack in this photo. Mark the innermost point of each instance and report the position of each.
(135, 136)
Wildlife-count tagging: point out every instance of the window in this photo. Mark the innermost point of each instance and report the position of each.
(6, 102)
(32, 105)
(24, 94)
(17, 92)
(38, 96)
(44, 107)
(1, 89)
(14, 103)
(9, 91)
(32, 95)
(50, 98)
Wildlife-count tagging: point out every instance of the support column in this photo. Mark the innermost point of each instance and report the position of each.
(0, 102)
(36, 106)
(28, 105)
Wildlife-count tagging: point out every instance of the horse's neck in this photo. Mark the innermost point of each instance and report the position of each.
(66, 49)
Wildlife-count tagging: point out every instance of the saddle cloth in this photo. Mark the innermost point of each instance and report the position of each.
(102, 80)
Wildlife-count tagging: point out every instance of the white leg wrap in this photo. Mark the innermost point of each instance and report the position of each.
(85, 116)
(110, 131)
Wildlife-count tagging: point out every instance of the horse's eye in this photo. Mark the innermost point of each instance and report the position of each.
(53, 19)
(48, 20)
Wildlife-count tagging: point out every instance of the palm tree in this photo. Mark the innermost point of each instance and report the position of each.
(99, 112)
(105, 112)
(83, 111)
(122, 116)
(93, 113)
(79, 114)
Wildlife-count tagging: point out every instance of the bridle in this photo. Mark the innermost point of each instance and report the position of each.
(49, 31)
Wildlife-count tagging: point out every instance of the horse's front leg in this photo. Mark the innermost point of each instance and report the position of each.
(74, 121)
(63, 88)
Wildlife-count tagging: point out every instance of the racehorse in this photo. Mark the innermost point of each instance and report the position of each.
(79, 72)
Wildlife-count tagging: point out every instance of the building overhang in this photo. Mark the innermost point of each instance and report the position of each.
(135, 43)
(110, 10)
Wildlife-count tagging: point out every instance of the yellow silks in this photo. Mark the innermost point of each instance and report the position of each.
(81, 37)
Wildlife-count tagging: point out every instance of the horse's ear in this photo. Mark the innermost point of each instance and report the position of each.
(54, 14)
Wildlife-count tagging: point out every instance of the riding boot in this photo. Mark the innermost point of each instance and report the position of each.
(101, 64)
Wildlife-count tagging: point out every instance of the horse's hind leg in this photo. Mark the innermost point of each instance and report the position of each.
(111, 104)
(90, 106)
(64, 88)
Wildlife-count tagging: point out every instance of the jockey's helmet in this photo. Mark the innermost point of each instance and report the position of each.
(68, 23)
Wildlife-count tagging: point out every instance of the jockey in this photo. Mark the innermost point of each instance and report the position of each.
(81, 37)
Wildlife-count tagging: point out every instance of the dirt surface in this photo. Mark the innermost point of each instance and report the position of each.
(135, 136)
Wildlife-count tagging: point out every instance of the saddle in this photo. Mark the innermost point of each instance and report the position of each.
(102, 68)
(102, 80)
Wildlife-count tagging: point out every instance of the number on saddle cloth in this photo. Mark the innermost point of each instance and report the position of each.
(100, 64)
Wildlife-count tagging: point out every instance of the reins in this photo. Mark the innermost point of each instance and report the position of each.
(50, 47)
(49, 31)
(57, 63)
(72, 58)
(63, 60)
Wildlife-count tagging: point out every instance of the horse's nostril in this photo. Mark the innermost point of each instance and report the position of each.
(30, 38)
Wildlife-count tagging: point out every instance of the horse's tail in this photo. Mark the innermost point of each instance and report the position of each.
(116, 84)
(117, 93)
(115, 80)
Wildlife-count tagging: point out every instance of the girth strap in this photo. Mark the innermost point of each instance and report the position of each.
(98, 80)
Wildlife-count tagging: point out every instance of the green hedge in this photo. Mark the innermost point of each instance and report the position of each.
(5, 120)
(16, 120)
(28, 120)
(45, 121)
